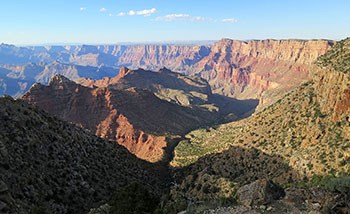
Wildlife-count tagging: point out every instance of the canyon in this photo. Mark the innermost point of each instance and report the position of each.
(253, 69)
(302, 139)
(240, 126)
(144, 111)
(16, 79)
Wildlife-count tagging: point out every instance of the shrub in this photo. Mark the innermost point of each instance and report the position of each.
(133, 199)
(38, 210)
(341, 185)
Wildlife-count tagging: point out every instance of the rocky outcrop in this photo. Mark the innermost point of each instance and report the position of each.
(334, 92)
(332, 78)
(74, 103)
(51, 166)
(5, 198)
(259, 192)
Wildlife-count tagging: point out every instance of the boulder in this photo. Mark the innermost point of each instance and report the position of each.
(3, 197)
(259, 192)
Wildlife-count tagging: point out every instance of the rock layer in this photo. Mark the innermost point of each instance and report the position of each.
(254, 69)
(259, 69)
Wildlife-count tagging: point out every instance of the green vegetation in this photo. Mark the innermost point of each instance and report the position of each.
(296, 126)
(133, 199)
(338, 57)
(299, 140)
(338, 185)
(38, 210)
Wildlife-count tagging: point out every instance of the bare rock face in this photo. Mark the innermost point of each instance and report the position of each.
(334, 93)
(175, 57)
(248, 69)
(94, 109)
(332, 79)
(5, 198)
(259, 192)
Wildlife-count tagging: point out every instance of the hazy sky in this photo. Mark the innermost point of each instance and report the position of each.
(113, 21)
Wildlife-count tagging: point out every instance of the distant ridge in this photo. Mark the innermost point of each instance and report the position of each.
(250, 69)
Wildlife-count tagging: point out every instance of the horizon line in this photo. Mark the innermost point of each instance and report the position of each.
(166, 42)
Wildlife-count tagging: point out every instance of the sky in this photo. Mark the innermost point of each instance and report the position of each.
(30, 22)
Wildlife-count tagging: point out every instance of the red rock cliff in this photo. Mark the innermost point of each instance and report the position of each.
(95, 110)
(246, 69)
(133, 117)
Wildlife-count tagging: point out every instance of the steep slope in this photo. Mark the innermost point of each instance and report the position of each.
(133, 117)
(305, 126)
(338, 57)
(16, 79)
(51, 166)
(303, 135)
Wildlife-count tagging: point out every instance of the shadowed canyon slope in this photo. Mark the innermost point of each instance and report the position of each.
(303, 137)
(308, 130)
(308, 126)
(124, 110)
(255, 69)
(51, 166)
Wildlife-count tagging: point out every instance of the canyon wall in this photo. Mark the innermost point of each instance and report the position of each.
(253, 69)
(259, 69)
(144, 118)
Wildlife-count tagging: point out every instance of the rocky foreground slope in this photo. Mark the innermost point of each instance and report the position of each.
(126, 109)
(51, 166)
(300, 140)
